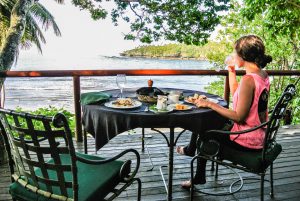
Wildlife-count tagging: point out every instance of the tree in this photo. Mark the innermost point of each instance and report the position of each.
(21, 22)
(184, 21)
(21, 25)
(281, 39)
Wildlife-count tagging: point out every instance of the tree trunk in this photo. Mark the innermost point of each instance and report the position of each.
(10, 46)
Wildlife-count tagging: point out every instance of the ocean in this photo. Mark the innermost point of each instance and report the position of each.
(33, 93)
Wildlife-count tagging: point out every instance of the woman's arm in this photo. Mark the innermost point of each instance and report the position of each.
(246, 94)
(233, 84)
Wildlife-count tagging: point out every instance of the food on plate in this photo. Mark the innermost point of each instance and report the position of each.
(181, 107)
(196, 96)
(123, 102)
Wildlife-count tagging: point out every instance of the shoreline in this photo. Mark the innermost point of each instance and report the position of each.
(164, 57)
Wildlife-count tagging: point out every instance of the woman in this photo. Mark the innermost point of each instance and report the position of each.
(250, 100)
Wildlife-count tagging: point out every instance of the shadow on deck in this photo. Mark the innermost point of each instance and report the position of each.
(286, 170)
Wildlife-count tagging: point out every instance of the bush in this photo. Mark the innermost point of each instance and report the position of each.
(51, 111)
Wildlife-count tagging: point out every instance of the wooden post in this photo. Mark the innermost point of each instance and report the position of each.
(226, 89)
(77, 108)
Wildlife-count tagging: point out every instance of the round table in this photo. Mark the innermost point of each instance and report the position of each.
(104, 123)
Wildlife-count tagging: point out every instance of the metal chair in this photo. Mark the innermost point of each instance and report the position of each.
(44, 165)
(253, 162)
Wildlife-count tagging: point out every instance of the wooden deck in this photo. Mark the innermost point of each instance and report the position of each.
(286, 170)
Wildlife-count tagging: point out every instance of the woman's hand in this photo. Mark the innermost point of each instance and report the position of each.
(231, 69)
(200, 102)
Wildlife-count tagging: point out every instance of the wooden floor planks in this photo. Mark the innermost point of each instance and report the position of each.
(286, 170)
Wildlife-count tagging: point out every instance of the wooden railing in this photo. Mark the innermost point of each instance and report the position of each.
(76, 74)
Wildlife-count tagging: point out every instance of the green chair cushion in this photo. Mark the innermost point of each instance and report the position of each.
(94, 98)
(251, 160)
(95, 181)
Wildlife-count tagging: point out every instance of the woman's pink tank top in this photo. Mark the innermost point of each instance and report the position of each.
(254, 139)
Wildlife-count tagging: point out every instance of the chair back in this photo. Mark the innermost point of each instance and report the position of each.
(277, 114)
(32, 141)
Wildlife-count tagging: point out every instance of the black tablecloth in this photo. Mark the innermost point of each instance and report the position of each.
(104, 123)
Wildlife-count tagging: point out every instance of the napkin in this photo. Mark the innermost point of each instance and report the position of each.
(94, 97)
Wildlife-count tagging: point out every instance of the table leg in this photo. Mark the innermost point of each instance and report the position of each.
(143, 139)
(171, 155)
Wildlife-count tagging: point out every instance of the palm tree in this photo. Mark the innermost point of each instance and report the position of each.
(37, 19)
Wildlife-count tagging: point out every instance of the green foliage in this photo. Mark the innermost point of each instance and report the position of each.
(281, 40)
(216, 87)
(50, 111)
(188, 22)
(174, 51)
(279, 16)
(38, 19)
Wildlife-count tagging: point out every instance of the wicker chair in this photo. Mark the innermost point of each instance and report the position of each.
(45, 166)
(253, 162)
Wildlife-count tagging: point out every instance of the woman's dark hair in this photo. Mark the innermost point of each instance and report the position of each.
(251, 48)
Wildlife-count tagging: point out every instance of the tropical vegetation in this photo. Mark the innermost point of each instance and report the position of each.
(173, 51)
(277, 22)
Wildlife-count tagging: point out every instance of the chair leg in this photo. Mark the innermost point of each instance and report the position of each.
(192, 179)
(212, 166)
(262, 179)
(85, 141)
(271, 181)
(217, 170)
(139, 189)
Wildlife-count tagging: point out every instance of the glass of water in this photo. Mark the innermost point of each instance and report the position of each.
(121, 82)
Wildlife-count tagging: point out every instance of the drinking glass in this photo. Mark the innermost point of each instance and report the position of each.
(121, 82)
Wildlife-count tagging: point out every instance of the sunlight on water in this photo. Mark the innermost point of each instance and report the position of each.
(39, 92)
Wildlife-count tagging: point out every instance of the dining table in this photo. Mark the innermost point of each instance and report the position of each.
(104, 122)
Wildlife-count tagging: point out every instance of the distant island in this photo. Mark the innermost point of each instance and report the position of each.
(172, 51)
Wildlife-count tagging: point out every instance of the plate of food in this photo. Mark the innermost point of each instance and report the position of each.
(192, 99)
(181, 107)
(123, 103)
(153, 108)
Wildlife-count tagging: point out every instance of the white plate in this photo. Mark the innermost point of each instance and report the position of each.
(213, 100)
(188, 107)
(153, 109)
(209, 99)
(134, 105)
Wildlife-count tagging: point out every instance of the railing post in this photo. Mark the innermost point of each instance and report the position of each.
(77, 108)
(226, 89)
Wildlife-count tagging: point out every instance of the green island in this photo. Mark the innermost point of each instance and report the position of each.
(174, 51)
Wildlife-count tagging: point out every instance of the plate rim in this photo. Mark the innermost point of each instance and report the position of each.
(209, 99)
(213, 100)
(161, 111)
(110, 105)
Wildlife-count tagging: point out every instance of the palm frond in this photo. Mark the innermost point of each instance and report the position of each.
(44, 17)
(8, 4)
(33, 26)
(33, 33)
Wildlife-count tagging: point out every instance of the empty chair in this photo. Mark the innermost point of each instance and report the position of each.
(44, 165)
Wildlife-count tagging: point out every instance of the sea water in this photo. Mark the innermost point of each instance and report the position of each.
(32, 93)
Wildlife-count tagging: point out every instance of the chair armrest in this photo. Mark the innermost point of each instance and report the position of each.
(98, 162)
(238, 132)
(31, 141)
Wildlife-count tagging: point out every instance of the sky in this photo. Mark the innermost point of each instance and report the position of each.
(81, 35)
